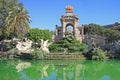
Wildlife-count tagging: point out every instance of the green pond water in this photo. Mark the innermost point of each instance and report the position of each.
(59, 70)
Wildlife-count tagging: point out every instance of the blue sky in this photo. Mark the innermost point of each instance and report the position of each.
(45, 14)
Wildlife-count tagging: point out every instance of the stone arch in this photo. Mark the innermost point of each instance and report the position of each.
(69, 28)
(69, 22)
(58, 31)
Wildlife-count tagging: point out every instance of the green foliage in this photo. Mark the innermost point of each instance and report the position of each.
(9, 46)
(54, 48)
(4, 34)
(69, 46)
(38, 54)
(17, 21)
(13, 51)
(98, 54)
(116, 27)
(112, 35)
(92, 29)
(36, 35)
(14, 19)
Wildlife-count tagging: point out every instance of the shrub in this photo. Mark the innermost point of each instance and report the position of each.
(38, 54)
(98, 54)
(13, 51)
(70, 46)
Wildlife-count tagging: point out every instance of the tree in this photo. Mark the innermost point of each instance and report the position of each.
(117, 27)
(14, 19)
(92, 29)
(112, 34)
(5, 6)
(36, 35)
(17, 21)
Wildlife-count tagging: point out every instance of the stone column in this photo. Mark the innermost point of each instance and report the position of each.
(63, 27)
(75, 29)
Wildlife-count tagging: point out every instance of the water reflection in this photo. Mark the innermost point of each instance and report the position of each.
(22, 65)
(23, 76)
(59, 70)
(105, 78)
(44, 72)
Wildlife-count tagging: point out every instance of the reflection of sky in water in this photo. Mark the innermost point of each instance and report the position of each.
(23, 76)
(59, 79)
(51, 77)
(105, 78)
(70, 75)
(89, 70)
(82, 79)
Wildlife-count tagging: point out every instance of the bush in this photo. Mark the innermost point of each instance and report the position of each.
(38, 54)
(71, 46)
(98, 54)
(13, 51)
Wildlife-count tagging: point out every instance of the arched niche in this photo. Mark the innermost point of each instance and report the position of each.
(58, 32)
(69, 29)
(79, 32)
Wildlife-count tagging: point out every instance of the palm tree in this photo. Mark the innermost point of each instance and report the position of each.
(8, 8)
(17, 21)
(4, 7)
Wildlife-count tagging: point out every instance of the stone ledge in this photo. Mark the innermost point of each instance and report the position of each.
(63, 56)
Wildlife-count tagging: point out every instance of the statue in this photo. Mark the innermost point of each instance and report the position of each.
(69, 35)
(44, 46)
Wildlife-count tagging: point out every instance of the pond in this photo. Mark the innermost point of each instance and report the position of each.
(59, 70)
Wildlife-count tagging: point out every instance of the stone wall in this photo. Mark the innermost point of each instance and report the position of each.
(63, 56)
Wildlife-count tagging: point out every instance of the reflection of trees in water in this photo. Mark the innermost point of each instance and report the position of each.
(64, 74)
(96, 70)
(8, 71)
(70, 72)
(91, 70)
(75, 70)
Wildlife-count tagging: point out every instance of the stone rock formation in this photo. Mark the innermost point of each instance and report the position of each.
(24, 46)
